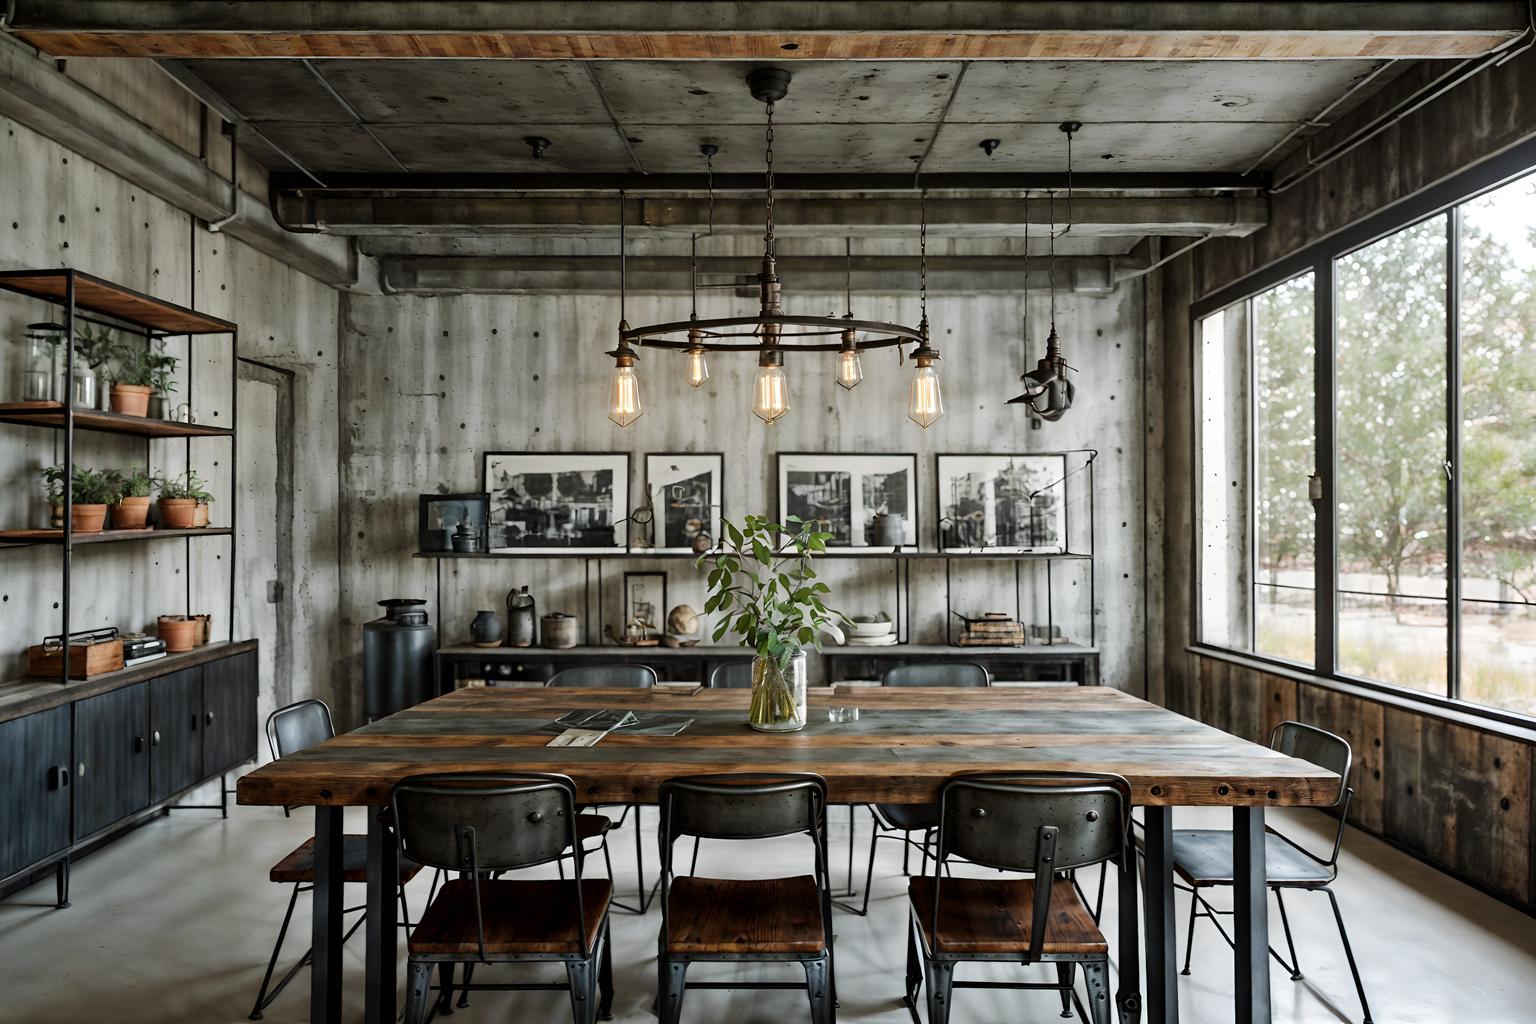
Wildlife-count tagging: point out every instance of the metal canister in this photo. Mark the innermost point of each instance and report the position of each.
(397, 658)
(522, 620)
(559, 629)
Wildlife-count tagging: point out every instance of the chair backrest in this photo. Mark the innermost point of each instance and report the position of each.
(734, 675)
(1325, 750)
(1039, 822)
(937, 673)
(474, 822)
(605, 675)
(298, 726)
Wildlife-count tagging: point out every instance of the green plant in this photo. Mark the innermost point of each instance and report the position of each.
(186, 486)
(161, 366)
(95, 346)
(90, 486)
(765, 590)
(134, 366)
(135, 483)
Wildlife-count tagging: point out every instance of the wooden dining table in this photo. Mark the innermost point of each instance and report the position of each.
(906, 743)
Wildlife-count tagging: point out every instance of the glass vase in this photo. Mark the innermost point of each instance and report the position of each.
(778, 695)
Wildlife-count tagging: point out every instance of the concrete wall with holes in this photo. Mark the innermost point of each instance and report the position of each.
(58, 209)
(431, 383)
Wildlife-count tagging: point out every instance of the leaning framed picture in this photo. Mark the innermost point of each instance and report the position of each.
(687, 491)
(843, 494)
(1002, 504)
(452, 522)
(645, 601)
(557, 503)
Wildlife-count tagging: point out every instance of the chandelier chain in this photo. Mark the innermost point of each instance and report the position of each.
(922, 253)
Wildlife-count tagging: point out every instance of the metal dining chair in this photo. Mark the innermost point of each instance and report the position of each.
(291, 729)
(478, 824)
(1042, 823)
(731, 675)
(1203, 857)
(594, 825)
(900, 821)
(773, 920)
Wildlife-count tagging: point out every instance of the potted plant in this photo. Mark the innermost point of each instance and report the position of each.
(161, 366)
(132, 379)
(94, 349)
(765, 590)
(132, 509)
(183, 502)
(90, 493)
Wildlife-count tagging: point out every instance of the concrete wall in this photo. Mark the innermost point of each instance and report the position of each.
(58, 209)
(430, 383)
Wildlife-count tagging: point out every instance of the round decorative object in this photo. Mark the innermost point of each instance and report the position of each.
(683, 620)
(485, 630)
(701, 543)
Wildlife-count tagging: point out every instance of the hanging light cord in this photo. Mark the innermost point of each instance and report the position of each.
(922, 250)
(768, 236)
(1051, 193)
(622, 288)
(848, 274)
(1026, 273)
(693, 257)
(709, 178)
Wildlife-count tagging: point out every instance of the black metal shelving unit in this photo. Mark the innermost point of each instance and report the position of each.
(89, 299)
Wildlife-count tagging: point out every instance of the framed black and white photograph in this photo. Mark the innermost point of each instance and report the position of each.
(1002, 503)
(645, 601)
(557, 503)
(453, 522)
(686, 492)
(843, 494)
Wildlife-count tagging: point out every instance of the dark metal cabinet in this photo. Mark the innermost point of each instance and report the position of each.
(111, 758)
(229, 712)
(175, 733)
(34, 788)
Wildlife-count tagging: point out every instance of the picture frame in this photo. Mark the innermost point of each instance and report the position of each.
(565, 503)
(1002, 504)
(687, 492)
(844, 491)
(645, 597)
(438, 517)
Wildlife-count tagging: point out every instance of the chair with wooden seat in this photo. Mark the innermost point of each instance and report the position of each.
(1041, 823)
(1202, 858)
(480, 824)
(289, 730)
(900, 821)
(782, 920)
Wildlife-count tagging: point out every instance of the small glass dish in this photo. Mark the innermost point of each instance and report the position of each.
(841, 715)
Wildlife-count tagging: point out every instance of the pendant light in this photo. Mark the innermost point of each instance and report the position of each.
(1048, 389)
(770, 391)
(925, 402)
(697, 355)
(624, 394)
(849, 370)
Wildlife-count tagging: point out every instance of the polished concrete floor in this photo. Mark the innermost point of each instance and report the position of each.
(174, 923)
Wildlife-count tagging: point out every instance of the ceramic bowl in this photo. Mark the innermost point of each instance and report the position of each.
(869, 629)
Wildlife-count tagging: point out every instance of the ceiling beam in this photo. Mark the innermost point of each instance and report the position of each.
(794, 216)
(793, 30)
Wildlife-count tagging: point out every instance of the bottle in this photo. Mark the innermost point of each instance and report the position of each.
(521, 618)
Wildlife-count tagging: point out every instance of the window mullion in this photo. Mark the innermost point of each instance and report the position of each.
(1325, 505)
(1453, 453)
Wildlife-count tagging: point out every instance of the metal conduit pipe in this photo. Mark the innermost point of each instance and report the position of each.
(234, 181)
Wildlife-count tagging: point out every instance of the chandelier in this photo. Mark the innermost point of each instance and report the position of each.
(771, 332)
(1048, 390)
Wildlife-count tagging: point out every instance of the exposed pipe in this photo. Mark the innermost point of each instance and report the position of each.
(1316, 120)
(234, 183)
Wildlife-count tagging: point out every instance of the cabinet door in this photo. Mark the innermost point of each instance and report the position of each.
(111, 758)
(175, 733)
(34, 788)
(229, 712)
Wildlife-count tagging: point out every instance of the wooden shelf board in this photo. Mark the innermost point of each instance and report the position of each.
(51, 415)
(23, 537)
(95, 295)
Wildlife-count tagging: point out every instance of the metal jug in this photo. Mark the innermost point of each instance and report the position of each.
(522, 619)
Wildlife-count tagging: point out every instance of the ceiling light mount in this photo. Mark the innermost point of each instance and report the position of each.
(989, 146)
(538, 143)
(768, 85)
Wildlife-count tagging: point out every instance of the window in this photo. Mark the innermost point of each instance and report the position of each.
(1427, 372)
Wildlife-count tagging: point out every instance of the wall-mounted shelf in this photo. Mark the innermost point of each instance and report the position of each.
(51, 415)
(904, 556)
(18, 538)
(88, 292)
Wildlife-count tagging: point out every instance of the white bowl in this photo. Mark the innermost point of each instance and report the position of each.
(869, 629)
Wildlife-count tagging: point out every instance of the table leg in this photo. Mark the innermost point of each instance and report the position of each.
(1251, 904)
(326, 929)
(383, 896)
(1128, 997)
(1162, 938)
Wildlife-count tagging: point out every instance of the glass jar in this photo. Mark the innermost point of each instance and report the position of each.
(83, 385)
(778, 695)
(37, 373)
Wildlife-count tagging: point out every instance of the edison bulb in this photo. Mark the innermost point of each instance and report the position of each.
(698, 368)
(624, 397)
(849, 371)
(925, 403)
(770, 394)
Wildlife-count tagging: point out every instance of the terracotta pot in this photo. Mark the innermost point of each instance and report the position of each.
(178, 632)
(88, 518)
(200, 515)
(179, 513)
(130, 513)
(130, 399)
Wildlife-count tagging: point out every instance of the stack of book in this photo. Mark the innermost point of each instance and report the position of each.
(992, 630)
(138, 648)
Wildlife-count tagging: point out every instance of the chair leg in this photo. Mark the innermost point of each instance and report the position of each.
(869, 875)
(906, 859)
(61, 884)
(580, 976)
(1096, 978)
(605, 978)
(445, 999)
(418, 992)
(940, 978)
(1285, 922)
(914, 967)
(669, 989)
(277, 947)
(1189, 943)
(693, 866)
(1349, 954)
(817, 977)
(1066, 977)
(469, 975)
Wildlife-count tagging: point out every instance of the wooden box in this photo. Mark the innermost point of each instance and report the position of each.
(85, 660)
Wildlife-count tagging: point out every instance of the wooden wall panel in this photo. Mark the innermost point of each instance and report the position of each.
(1362, 723)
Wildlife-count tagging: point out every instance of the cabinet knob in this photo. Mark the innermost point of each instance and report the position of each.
(154, 738)
(138, 744)
(82, 769)
(208, 718)
(58, 776)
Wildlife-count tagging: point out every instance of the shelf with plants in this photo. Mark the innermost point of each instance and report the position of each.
(899, 555)
(50, 414)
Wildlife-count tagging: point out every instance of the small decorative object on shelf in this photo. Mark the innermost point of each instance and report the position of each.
(992, 629)
(682, 627)
(485, 630)
(870, 631)
(559, 629)
(442, 518)
(133, 377)
(90, 493)
(764, 589)
(39, 378)
(178, 631)
(91, 653)
(183, 502)
(522, 620)
(645, 595)
(132, 509)
(93, 351)
(466, 539)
